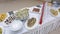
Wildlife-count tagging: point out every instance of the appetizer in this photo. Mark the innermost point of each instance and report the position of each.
(2, 16)
(49, 4)
(59, 9)
(0, 30)
(22, 14)
(54, 12)
(36, 9)
(31, 22)
(9, 19)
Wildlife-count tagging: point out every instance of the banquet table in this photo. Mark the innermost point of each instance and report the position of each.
(49, 24)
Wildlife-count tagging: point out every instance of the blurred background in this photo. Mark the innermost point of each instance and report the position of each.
(9, 5)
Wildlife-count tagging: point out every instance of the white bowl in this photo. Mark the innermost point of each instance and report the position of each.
(15, 25)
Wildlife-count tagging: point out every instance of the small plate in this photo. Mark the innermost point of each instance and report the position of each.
(31, 9)
(32, 15)
(54, 8)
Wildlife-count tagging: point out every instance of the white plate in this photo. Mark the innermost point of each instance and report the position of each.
(31, 9)
(9, 15)
(16, 25)
(55, 8)
(33, 15)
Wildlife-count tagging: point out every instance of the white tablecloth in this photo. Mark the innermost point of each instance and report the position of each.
(49, 24)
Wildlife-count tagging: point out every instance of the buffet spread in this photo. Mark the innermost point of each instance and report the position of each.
(27, 20)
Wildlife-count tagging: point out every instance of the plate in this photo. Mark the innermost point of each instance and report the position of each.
(32, 15)
(55, 9)
(37, 9)
(22, 14)
(16, 25)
